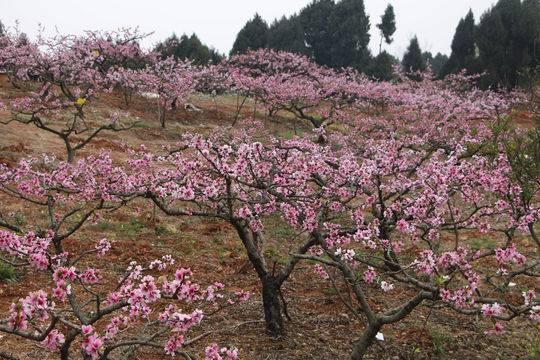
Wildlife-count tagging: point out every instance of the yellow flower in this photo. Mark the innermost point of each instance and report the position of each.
(96, 52)
(80, 101)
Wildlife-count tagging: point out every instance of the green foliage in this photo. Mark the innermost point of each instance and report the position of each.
(503, 45)
(483, 243)
(273, 254)
(190, 48)
(7, 272)
(337, 33)
(316, 23)
(532, 345)
(413, 60)
(349, 25)
(280, 229)
(523, 151)
(508, 40)
(132, 228)
(287, 34)
(104, 226)
(382, 67)
(437, 63)
(387, 26)
(334, 34)
(19, 220)
(463, 47)
(254, 35)
(440, 340)
(162, 230)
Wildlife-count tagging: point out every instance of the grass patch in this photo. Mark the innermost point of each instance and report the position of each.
(19, 220)
(440, 340)
(7, 272)
(131, 228)
(141, 125)
(279, 228)
(273, 254)
(533, 348)
(162, 230)
(483, 243)
(104, 226)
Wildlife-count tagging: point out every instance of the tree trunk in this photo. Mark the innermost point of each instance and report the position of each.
(161, 116)
(272, 307)
(534, 235)
(127, 97)
(270, 285)
(361, 345)
(64, 350)
(239, 107)
(70, 151)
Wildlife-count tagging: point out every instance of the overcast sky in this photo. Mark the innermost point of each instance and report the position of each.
(217, 22)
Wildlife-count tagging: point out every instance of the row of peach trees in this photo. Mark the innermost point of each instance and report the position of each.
(389, 200)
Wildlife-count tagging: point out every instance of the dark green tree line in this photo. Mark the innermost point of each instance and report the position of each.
(504, 44)
(254, 35)
(190, 48)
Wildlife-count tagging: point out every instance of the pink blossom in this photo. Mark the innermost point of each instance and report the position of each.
(369, 275)
(386, 286)
(92, 345)
(53, 341)
(492, 310)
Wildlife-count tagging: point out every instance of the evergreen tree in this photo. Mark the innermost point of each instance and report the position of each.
(387, 26)
(190, 48)
(215, 56)
(287, 34)
(254, 35)
(530, 31)
(350, 32)
(508, 38)
(427, 56)
(315, 21)
(22, 39)
(382, 67)
(168, 47)
(500, 56)
(413, 60)
(463, 47)
(435, 62)
(438, 62)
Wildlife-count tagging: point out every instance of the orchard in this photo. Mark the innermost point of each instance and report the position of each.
(389, 200)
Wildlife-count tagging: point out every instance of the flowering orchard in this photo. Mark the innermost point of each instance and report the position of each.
(78, 301)
(386, 192)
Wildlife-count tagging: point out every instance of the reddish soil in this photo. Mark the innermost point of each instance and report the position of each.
(321, 326)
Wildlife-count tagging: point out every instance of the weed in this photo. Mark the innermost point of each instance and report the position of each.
(132, 228)
(483, 242)
(7, 272)
(104, 226)
(440, 340)
(273, 254)
(19, 220)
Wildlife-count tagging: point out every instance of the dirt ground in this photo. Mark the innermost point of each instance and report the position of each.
(320, 325)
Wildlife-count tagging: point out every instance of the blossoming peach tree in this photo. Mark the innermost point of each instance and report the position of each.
(62, 75)
(78, 305)
(243, 183)
(412, 197)
(170, 81)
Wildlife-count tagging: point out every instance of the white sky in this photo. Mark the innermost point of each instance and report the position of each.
(217, 22)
